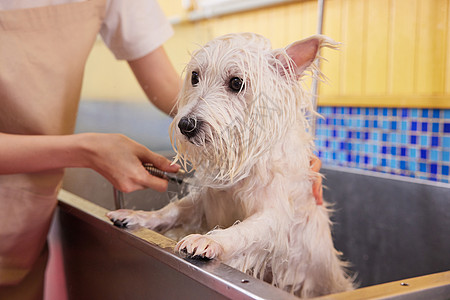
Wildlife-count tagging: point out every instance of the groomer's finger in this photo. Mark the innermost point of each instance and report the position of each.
(153, 182)
(160, 162)
(157, 184)
(318, 190)
(139, 181)
(316, 163)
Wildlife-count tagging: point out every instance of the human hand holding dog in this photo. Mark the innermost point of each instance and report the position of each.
(115, 156)
(119, 159)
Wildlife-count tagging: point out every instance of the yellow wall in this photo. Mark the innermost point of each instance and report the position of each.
(394, 52)
(109, 79)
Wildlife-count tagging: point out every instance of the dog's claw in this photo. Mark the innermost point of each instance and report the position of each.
(201, 256)
(124, 218)
(198, 246)
(120, 223)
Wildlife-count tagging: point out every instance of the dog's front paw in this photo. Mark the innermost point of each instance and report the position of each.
(127, 218)
(199, 245)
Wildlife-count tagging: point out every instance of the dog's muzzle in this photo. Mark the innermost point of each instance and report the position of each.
(189, 127)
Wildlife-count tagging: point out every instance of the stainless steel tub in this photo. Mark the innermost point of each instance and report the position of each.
(106, 262)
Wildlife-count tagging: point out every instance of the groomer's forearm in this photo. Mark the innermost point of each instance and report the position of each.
(158, 78)
(33, 153)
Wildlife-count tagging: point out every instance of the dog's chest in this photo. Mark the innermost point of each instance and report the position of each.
(221, 209)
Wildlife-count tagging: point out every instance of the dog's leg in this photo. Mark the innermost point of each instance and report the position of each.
(181, 212)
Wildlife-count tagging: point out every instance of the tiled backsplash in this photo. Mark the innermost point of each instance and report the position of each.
(407, 142)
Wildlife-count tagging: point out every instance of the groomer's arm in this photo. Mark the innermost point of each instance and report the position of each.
(116, 157)
(158, 78)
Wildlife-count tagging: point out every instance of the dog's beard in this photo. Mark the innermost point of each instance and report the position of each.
(219, 157)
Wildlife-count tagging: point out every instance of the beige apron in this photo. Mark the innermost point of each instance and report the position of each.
(43, 52)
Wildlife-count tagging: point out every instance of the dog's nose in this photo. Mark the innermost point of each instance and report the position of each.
(189, 127)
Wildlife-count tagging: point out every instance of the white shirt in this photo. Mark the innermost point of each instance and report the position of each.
(131, 28)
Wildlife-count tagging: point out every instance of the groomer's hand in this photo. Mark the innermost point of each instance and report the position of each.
(119, 159)
(316, 164)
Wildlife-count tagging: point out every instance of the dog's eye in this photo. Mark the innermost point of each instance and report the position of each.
(194, 78)
(236, 84)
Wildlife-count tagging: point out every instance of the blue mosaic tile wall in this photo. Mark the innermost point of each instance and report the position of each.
(405, 142)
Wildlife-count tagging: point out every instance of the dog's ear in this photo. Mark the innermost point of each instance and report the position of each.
(303, 53)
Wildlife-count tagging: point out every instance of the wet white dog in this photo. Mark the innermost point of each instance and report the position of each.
(242, 123)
